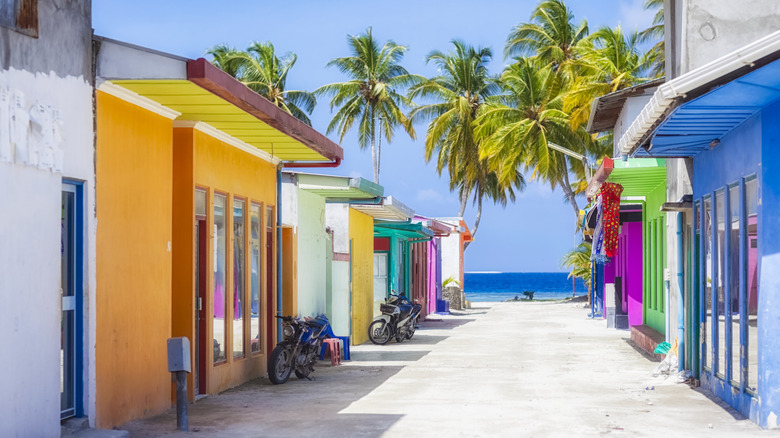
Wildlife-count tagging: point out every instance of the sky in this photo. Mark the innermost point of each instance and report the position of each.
(530, 235)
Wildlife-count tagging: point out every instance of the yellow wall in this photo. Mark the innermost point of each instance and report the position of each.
(289, 268)
(361, 232)
(133, 304)
(217, 166)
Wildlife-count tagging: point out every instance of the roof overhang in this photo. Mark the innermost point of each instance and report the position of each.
(638, 176)
(200, 92)
(605, 110)
(389, 209)
(407, 230)
(334, 187)
(689, 113)
(439, 228)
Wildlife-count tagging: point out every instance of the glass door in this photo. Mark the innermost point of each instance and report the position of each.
(70, 298)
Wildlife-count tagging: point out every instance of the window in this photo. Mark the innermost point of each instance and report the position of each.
(20, 15)
(239, 290)
(707, 280)
(380, 280)
(734, 311)
(720, 274)
(218, 294)
(255, 265)
(751, 209)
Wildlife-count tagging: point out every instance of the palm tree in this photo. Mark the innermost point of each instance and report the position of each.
(373, 93)
(655, 33)
(551, 36)
(265, 73)
(456, 96)
(516, 131)
(610, 61)
(578, 259)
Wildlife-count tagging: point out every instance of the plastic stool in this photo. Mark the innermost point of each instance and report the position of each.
(334, 345)
(344, 347)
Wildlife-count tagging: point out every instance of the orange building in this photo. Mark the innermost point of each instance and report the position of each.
(187, 163)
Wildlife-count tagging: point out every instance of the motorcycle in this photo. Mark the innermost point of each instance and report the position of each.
(398, 320)
(298, 351)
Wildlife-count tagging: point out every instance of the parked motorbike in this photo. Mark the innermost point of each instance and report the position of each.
(298, 351)
(398, 320)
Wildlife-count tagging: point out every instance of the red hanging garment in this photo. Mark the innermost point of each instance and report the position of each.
(610, 195)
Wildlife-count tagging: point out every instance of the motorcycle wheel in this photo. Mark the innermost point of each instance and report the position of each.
(410, 330)
(280, 364)
(379, 332)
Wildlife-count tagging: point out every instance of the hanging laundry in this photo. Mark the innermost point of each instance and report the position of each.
(597, 247)
(610, 205)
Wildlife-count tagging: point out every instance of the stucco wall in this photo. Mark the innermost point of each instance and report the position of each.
(52, 70)
(450, 257)
(631, 109)
(713, 28)
(235, 173)
(134, 167)
(361, 232)
(337, 219)
(63, 45)
(654, 259)
(769, 270)
(312, 241)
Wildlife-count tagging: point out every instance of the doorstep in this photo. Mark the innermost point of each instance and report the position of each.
(647, 338)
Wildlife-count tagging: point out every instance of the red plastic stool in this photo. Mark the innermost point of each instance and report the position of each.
(334, 345)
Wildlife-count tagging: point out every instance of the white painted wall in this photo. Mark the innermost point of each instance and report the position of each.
(341, 312)
(311, 254)
(30, 228)
(337, 219)
(450, 253)
(289, 201)
(631, 109)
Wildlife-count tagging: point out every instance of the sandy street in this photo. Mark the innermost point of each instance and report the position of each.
(499, 369)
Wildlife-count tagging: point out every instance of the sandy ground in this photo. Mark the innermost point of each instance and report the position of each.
(498, 369)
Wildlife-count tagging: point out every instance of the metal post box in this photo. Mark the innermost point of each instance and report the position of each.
(179, 355)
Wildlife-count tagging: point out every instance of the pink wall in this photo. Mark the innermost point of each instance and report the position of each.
(630, 270)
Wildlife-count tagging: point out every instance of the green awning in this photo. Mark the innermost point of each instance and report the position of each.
(638, 176)
(406, 230)
(339, 187)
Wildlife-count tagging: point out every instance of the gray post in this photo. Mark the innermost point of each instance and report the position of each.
(181, 400)
(179, 366)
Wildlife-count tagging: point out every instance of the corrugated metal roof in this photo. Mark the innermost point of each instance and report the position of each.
(339, 187)
(389, 209)
(696, 125)
(638, 176)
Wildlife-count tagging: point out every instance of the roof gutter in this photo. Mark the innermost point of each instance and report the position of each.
(669, 95)
(335, 163)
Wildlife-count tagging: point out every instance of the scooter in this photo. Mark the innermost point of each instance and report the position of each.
(300, 347)
(398, 320)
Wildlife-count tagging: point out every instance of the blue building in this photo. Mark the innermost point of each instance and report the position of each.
(723, 118)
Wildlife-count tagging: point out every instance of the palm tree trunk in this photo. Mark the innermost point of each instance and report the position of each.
(374, 160)
(567, 190)
(464, 199)
(476, 221)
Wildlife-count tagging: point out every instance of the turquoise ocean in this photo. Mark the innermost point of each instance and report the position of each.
(502, 286)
